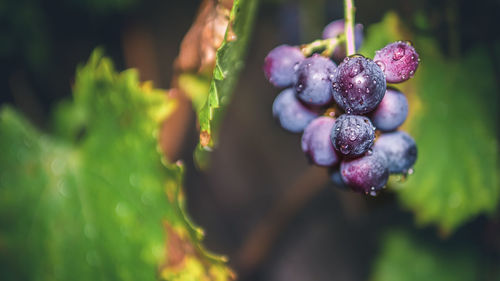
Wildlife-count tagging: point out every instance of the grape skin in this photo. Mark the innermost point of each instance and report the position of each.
(391, 112)
(316, 142)
(400, 150)
(352, 135)
(358, 85)
(367, 174)
(279, 65)
(314, 76)
(292, 115)
(399, 61)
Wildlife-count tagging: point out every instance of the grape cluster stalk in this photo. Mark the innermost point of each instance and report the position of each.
(348, 114)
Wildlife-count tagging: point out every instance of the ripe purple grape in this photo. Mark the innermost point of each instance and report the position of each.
(391, 112)
(358, 85)
(314, 76)
(367, 174)
(352, 135)
(279, 65)
(398, 61)
(291, 113)
(334, 29)
(316, 142)
(400, 150)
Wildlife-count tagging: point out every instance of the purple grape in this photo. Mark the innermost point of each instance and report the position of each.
(400, 150)
(391, 112)
(291, 113)
(352, 135)
(316, 142)
(314, 78)
(334, 29)
(279, 65)
(367, 174)
(398, 61)
(336, 178)
(358, 85)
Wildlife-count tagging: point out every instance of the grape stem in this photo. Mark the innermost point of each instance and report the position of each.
(323, 46)
(349, 10)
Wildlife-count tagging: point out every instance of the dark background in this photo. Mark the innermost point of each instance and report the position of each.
(324, 232)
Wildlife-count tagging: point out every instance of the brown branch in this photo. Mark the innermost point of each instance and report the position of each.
(259, 242)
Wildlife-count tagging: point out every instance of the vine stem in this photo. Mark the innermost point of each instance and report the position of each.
(325, 46)
(349, 10)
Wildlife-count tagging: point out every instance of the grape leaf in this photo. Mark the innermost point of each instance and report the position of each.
(405, 257)
(229, 62)
(97, 200)
(452, 118)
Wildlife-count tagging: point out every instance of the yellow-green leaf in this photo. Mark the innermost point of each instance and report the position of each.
(96, 200)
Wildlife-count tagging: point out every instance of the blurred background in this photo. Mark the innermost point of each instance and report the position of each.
(260, 202)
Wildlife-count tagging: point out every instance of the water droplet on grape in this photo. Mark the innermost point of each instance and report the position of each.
(380, 64)
(345, 149)
(367, 90)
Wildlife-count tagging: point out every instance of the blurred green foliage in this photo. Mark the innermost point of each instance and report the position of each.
(406, 257)
(96, 200)
(452, 118)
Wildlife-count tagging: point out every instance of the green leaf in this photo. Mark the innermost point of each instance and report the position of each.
(406, 257)
(97, 200)
(452, 118)
(229, 62)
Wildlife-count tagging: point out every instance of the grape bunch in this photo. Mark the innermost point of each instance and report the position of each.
(347, 113)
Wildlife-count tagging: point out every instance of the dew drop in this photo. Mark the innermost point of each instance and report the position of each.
(27, 143)
(352, 136)
(345, 149)
(367, 90)
(398, 53)
(93, 258)
(57, 166)
(133, 180)
(90, 231)
(380, 64)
